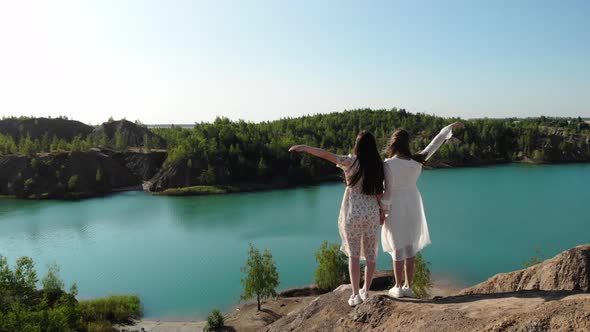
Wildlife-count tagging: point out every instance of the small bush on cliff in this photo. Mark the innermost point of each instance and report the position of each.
(538, 258)
(72, 182)
(422, 280)
(98, 176)
(215, 321)
(261, 275)
(29, 183)
(332, 270)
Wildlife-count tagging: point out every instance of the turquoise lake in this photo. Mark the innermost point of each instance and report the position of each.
(183, 255)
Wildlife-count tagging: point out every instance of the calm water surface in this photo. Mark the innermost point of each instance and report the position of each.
(183, 255)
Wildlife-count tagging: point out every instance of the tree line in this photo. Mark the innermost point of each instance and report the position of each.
(238, 151)
(225, 151)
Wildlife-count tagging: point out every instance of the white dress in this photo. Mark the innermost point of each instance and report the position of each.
(405, 231)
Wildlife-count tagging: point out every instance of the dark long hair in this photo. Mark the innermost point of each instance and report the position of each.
(399, 143)
(370, 165)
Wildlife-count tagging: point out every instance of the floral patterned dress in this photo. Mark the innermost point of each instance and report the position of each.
(358, 222)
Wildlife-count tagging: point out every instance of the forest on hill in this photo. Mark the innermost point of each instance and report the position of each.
(227, 152)
(28, 135)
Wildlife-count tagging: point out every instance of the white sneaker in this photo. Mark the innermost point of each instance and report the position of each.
(354, 300)
(408, 292)
(363, 294)
(396, 292)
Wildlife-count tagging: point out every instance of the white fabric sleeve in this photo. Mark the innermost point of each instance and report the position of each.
(443, 135)
(344, 162)
(385, 202)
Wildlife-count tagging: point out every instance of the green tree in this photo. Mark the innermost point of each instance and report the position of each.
(261, 276)
(27, 146)
(215, 321)
(120, 142)
(332, 269)
(23, 307)
(208, 176)
(147, 142)
(104, 142)
(52, 281)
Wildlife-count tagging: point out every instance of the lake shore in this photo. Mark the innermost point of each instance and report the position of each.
(206, 190)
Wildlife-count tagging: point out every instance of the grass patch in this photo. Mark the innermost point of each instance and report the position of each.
(194, 190)
(221, 189)
(102, 326)
(115, 308)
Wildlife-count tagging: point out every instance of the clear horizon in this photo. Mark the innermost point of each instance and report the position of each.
(190, 61)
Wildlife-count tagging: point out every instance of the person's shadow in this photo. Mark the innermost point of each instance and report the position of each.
(544, 294)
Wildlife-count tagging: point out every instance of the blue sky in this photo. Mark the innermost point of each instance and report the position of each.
(186, 61)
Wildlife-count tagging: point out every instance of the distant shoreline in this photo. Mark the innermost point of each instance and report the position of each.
(208, 190)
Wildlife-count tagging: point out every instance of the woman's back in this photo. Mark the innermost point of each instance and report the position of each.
(401, 173)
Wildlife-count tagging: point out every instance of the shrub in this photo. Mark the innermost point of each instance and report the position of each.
(332, 270)
(215, 321)
(261, 275)
(51, 281)
(422, 280)
(72, 182)
(98, 176)
(538, 258)
(115, 308)
(29, 183)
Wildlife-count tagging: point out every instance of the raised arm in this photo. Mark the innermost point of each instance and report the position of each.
(443, 135)
(315, 151)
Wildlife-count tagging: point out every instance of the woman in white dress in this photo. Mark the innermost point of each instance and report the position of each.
(405, 231)
(358, 222)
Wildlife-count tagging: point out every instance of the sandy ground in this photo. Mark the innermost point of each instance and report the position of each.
(158, 326)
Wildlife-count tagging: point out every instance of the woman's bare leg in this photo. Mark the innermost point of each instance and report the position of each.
(409, 272)
(369, 270)
(354, 270)
(398, 271)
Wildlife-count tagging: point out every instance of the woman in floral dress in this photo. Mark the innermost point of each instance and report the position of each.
(359, 219)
